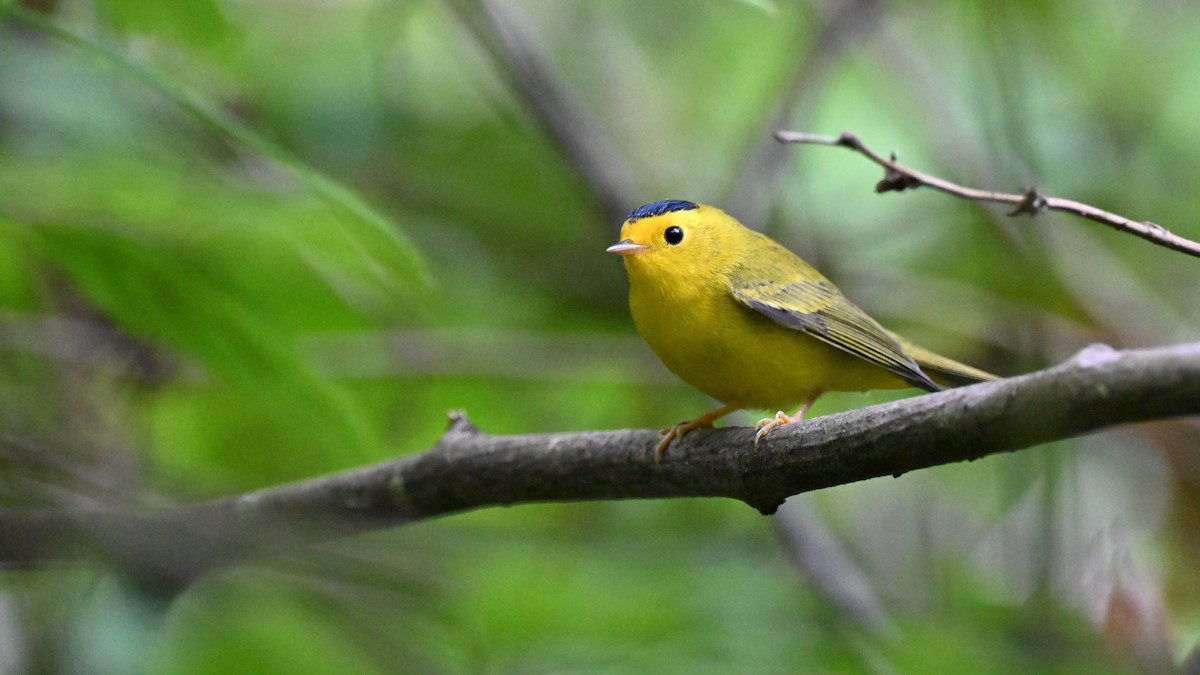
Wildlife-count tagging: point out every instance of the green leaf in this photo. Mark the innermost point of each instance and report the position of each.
(199, 22)
(392, 258)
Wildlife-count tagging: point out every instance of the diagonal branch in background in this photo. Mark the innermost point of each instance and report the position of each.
(898, 177)
(468, 469)
(842, 27)
(568, 123)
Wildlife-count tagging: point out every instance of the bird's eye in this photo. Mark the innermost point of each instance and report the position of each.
(673, 235)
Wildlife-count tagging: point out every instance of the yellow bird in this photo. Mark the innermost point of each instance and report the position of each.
(746, 321)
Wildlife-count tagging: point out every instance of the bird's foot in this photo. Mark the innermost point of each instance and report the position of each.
(668, 434)
(769, 424)
(704, 421)
(766, 426)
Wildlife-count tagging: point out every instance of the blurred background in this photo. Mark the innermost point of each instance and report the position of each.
(244, 242)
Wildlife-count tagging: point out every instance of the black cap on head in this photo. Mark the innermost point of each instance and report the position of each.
(659, 208)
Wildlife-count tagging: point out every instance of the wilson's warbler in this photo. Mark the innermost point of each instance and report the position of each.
(749, 323)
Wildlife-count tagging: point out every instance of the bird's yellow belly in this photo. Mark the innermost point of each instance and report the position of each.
(742, 358)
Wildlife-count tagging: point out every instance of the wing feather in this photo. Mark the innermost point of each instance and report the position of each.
(804, 300)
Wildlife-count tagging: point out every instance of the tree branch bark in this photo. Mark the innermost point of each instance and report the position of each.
(468, 469)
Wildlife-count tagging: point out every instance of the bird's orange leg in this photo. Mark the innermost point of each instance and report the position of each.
(677, 431)
(769, 424)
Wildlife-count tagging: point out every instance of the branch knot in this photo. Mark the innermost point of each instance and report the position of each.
(1032, 203)
(895, 180)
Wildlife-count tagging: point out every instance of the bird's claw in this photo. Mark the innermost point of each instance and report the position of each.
(674, 431)
(666, 435)
(769, 424)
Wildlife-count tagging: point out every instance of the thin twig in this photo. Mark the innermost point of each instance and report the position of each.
(469, 469)
(898, 177)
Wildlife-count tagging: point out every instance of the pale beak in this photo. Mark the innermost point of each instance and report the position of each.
(626, 247)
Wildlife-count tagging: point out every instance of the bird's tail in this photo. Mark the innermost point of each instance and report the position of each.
(941, 369)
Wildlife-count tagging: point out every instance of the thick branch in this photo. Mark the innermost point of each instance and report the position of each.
(469, 469)
(898, 177)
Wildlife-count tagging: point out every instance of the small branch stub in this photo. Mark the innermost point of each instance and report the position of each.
(459, 424)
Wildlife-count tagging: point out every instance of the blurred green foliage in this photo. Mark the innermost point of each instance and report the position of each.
(245, 243)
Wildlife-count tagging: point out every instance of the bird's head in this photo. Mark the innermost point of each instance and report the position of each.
(675, 238)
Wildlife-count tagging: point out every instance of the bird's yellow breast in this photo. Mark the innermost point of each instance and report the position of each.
(691, 320)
